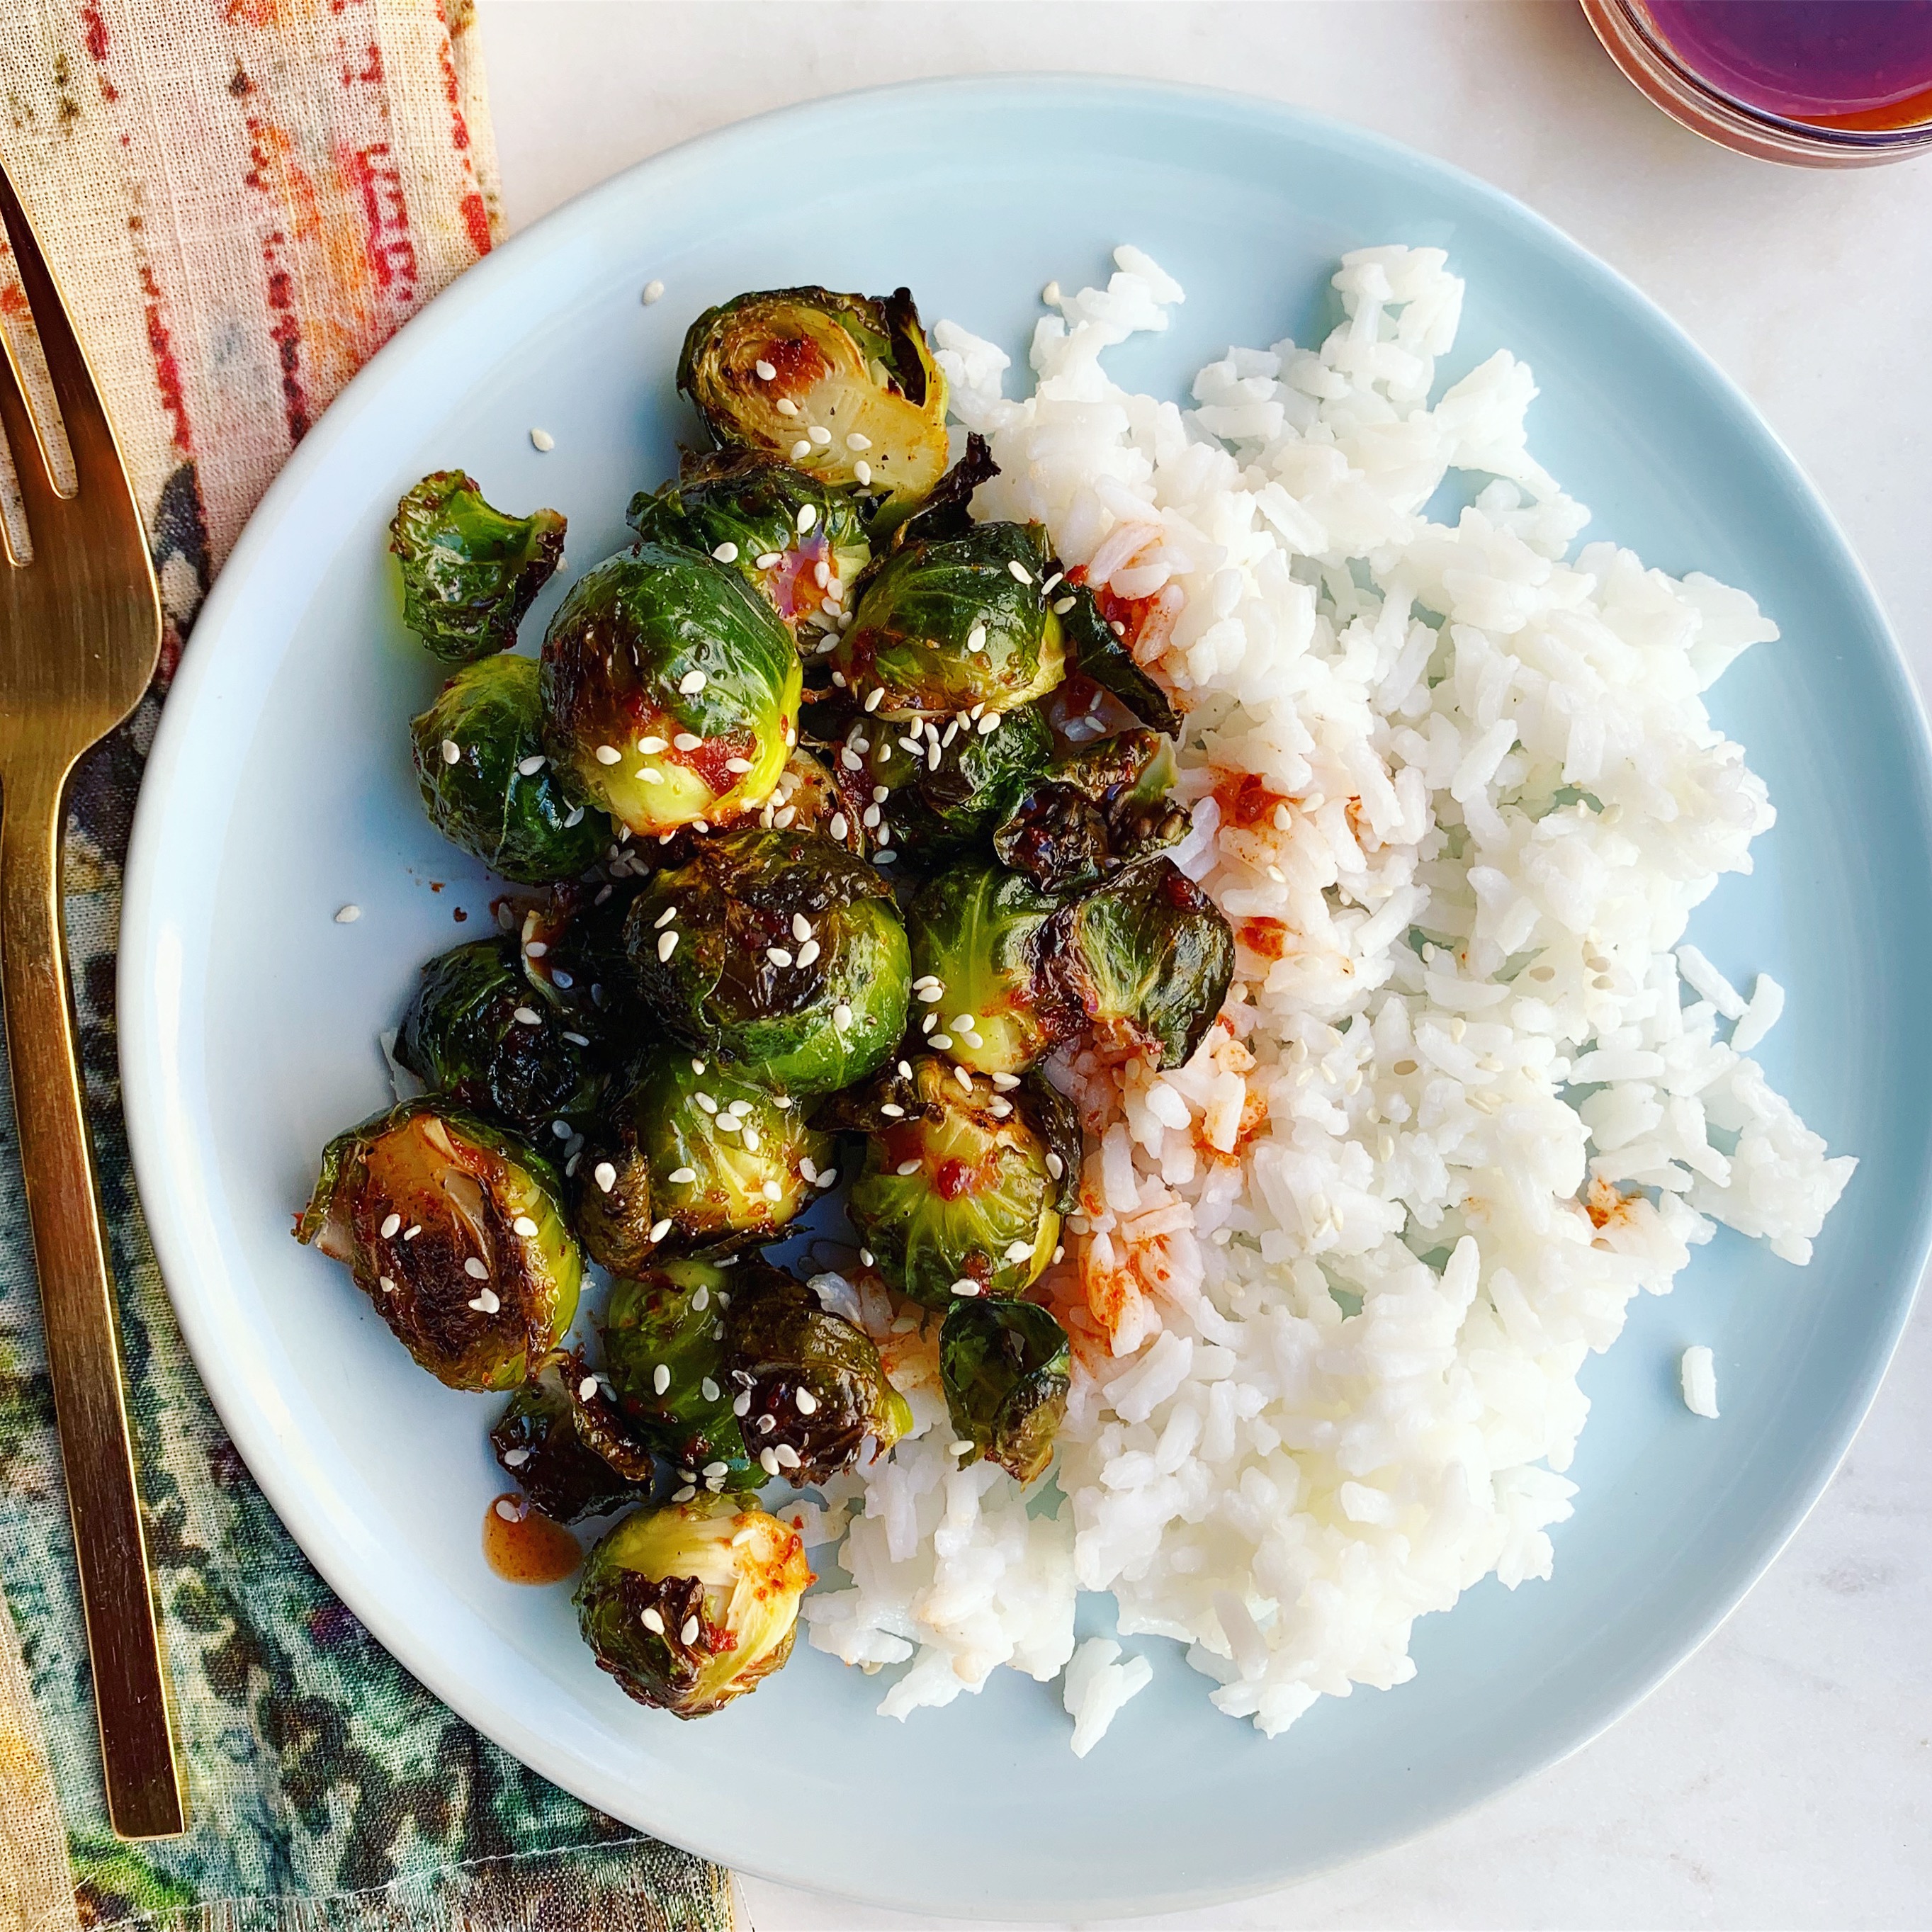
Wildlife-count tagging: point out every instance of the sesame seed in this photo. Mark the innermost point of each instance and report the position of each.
(1062, 605)
(778, 955)
(999, 1109)
(663, 918)
(451, 751)
(528, 1016)
(841, 1016)
(786, 407)
(1020, 574)
(964, 1079)
(965, 1285)
(653, 291)
(524, 1226)
(729, 1124)
(819, 434)
(1055, 1165)
(691, 683)
(951, 732)
(510, 1510)
(586, 1390)
(666, 945)
(940, 1042)
(607, 754)
(476, 1270)
(737, 764)
(960, 1449)
(1017, 1251)
(648, 775)
(808, 1167)
(892, 1112)
(988, 725)
(963, 1023)
(561, 1128)
(412, 1230)
(930, 1021)
(869, 817)
(788, 1457)
(808, 515)
(575, 1039)
(705, 1101)
(660, 1229)
(660, 1379)
(701, 1300)
(828, 1178)
(1060, 1254)
(515, 1458)
(782, 820)
(768, 1459)
(741, 1403)
(682, 1177)
(906, 1167)
(653, 1621)
(751, 1142)
(389, 1286)
(390, 1224)
(801, 449)
(976, 638)
(687, 741)
(486, 1302)
(875, 697)
(605, 1176)
(764, 370)
(929, 991)
(575, 819)
(697, 1067)
(541, 439)
(770, 560)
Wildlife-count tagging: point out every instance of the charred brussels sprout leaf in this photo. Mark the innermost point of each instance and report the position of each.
(494, 798)
(934, 808)
(671, 690)
(986, 936)
(1006, 1370)
(690, 1607)
(778, 949)
(766, 369)
(945, 627)
(469, 571)
(948, 510)
(724, 1161)
(454, 1229)
(1150, 958)
(1099, 808)
(1094, 652)
(740, 1375)
(472, 1032)
(573, 957)
(770, 522)
(572, 1456)
(809, 798)
(960, 1190)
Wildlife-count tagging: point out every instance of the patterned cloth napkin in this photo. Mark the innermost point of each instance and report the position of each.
(243, 198)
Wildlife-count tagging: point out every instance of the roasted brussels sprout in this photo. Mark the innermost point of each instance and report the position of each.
(943, 788)
(778, 949)
(469, 571)
(1006, 1369)
(1095, 654)
(690, 1607)
(472, 1032)
(487, 784)
(983, 941)
(1149, 957)
(671, 690)
(1099, 807)
(695, 1160)
(807, 798)
(455, 1230)
(738, 1375)
(843, 385)
(769, 521)
(963, 1185)
(957, 626)
(571, 1452)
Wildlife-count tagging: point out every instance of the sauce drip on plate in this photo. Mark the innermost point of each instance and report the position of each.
(1860, 64)
(523, 1546)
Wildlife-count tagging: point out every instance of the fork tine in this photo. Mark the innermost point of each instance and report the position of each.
(97, 460)
(30, 468)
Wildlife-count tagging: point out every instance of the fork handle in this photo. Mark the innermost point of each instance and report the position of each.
(143, 1782)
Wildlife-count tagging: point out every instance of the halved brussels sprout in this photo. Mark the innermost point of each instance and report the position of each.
(694, 1160)
(690, 1607)
(957, 626)
(740, 1375)
(572, 1454)
(469, 571)
(983, 942)
(671, 690)
(778, 949)
(1095, 653)
(1150, 958)
(455, 1230)
(1006, 1369)
(770, 522)
(1099, 807)
(487, 785)
(945, 788)
(843, 385)
(472, 1032)
(963, 1185)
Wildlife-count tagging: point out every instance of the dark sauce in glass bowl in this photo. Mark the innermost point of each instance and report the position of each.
(1853, 64)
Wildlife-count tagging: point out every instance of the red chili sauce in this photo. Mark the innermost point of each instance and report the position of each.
(525, 1547)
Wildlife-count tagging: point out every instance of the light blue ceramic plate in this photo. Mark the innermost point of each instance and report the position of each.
(280, 788)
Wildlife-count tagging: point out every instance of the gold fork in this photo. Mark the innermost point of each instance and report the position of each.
(80, 635)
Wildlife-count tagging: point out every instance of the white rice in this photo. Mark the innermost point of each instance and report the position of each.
(1697, 1375)
(1335, 1279)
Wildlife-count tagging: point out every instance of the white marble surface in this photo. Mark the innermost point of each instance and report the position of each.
(1784, 1777)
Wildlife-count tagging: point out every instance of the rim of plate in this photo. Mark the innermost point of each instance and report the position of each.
(164, 1178)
